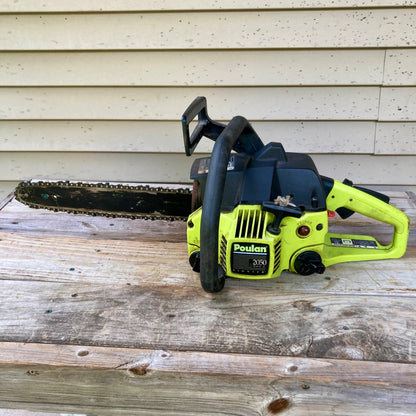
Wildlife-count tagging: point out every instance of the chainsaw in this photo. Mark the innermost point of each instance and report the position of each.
(254, 210)
(264, 210)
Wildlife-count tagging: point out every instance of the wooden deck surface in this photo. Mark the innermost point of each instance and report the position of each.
(104, 316)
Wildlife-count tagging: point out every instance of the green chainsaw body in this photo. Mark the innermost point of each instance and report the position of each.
(265, 210)
(247, 250)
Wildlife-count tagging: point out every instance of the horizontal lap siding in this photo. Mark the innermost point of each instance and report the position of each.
(173, 167)
(157, 5)
(210, 30)
(150, 136)
(267, 103)
(193, 68)
(99, 95)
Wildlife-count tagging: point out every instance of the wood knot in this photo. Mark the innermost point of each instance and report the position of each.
(278, 406)
(139, 370)
(304, 306)
(83, 353)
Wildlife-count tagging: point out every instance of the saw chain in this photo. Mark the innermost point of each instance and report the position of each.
(107, 199)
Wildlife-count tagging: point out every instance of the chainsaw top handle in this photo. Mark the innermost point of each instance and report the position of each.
(211, 273)
(248, 141)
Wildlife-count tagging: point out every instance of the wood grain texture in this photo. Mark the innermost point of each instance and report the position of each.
(193, 68)
(166, 136)
(154, 103)
(77, 378)
(22, 412)
(159, 296)
(75, 291)
(101, 251)
(117, 392)
(210, 30)
(178, 318)
(162, 5)
(108, 358)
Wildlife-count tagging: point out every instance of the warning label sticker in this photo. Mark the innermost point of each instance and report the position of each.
(351, 242)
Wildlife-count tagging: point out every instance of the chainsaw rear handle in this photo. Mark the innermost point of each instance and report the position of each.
(211, 273)
(343, 195)
(345, 213)
(248, 141)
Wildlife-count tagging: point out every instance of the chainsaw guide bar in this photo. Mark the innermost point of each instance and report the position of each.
(108, 200)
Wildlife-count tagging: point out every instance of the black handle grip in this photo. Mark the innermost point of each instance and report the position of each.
(212, 276)
(248, 141)
(205, 127)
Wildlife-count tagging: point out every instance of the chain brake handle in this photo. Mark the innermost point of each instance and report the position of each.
(205, 127)
(248, 142)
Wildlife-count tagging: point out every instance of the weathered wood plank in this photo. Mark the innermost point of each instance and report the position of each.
(22, 412)
(31, 6)
(115, 392)
(398, 104)
(155, 103)
(210, 30)
(76, 378)
(154, 263)
(107, 358)
(165, 136)
(187, 319)
(66, 297)
(395, 138)
(193, 68)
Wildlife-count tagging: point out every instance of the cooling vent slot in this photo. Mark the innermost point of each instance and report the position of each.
(223, 253)
(250, 223)
(277, 248)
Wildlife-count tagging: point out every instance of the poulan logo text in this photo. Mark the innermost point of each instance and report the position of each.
(249, 248)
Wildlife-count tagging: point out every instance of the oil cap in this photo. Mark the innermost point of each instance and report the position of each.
(309, 262)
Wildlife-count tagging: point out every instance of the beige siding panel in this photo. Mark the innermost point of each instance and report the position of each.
(152, 136)
(165, 168)
(396, 138)
(192, 68)
(125, 167)
(320, 136)
(272, 103)
(400, 67)
(210, 30)
(398, 104)
(149, 5)
(368, 169)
